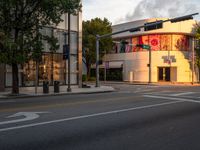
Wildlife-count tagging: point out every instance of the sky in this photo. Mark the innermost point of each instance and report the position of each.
(120, 11)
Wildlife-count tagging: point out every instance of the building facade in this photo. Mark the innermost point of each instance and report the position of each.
(52, 66)
(171, 53)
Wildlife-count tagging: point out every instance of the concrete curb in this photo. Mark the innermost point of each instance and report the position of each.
(54, 94)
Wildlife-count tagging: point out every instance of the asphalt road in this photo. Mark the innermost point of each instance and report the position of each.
(132, 118)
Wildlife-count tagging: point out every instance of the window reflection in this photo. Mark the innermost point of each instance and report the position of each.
(51, 68)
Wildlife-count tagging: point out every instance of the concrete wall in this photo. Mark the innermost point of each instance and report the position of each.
(135, 65)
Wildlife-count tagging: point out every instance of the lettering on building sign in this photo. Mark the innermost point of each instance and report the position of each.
(169, 59)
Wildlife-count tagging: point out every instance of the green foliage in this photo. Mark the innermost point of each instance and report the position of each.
(84, 77)
(197, 36)
(20, 24)
(91, 79)
(92, 28)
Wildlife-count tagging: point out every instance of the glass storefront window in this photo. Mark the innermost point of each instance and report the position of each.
(58, 68)
(29, 73)
(51, 68)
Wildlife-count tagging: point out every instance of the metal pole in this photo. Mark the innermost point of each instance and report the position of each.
(69, 65)
(36, 76)
(65, 43)
(97, 60)
(150, 65)
(193, 61)
(105, 67)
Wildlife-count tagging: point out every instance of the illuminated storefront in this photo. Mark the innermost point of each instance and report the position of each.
(171, 48)
(52, 67)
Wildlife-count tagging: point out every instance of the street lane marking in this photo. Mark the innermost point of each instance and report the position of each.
(27, 116)
(88, 116)
(180, 94)
(172, 98)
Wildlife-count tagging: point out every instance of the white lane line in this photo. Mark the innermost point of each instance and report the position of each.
(183, 93)
(172, 98)
(87, 116)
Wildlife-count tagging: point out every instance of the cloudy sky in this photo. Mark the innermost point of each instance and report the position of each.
(119, 11)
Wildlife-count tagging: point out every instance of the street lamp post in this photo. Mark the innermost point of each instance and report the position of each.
(150, 53)
(193, 61)
(97, 60)
(105, 67)
(69, 65)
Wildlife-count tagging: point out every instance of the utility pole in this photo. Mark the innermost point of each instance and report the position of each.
(36, 75)
(97, 60)
(69, 63)
(193, 40)
(150, 53)
(105, 67)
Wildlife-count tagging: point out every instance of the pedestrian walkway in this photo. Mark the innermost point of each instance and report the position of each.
(31, 92)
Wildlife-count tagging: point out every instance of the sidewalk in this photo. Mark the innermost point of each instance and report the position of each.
(152, 84)
(30, 91)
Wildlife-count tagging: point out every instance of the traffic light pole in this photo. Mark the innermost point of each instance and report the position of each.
(150, 52)
(97, 61)
(193, 61)
(69, 43)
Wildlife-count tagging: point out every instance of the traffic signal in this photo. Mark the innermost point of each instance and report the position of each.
(65, 52)
(143, 46)
(153, 25)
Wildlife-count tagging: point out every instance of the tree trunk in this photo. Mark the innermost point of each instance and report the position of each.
(88, 71)
(199, 74)
(15, 79)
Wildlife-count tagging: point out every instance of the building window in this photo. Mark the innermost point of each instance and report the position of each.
(51, 68)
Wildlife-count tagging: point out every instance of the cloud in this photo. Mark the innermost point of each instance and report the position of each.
(111, 9)
(161, 8)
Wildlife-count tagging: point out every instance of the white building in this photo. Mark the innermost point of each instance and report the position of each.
(171, 53)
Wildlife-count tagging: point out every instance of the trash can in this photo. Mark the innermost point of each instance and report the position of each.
(56, 87)
(45, 86)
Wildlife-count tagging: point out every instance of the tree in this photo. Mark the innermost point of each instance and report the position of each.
(197, 47)
(92, 28)
(21, 22)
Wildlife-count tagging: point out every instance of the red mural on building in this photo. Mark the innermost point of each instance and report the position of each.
(164, 42)
(180, 42)
(134, 43)
(154, 42)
